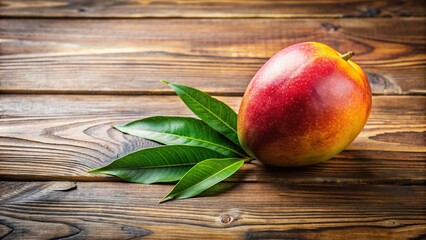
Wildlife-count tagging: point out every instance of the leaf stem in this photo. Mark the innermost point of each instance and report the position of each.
(249, 160)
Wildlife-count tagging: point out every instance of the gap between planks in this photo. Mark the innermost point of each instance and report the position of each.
(211, 9)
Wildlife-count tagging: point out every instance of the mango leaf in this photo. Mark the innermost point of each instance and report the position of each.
(157, 164)
(203, 176)
(215, 113)
(182, 131)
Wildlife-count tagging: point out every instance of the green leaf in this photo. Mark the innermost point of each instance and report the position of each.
(215, 113)
(182, 131)
(203, 176)
(157, 164)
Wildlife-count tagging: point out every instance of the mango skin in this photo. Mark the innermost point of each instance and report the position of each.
(304, 106)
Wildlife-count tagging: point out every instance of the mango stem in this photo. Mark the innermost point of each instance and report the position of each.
(347, 55)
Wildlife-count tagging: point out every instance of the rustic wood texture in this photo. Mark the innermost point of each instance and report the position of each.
(282, 211)
(60, 137)
(211, 8)
(219, 56)
(70, 70)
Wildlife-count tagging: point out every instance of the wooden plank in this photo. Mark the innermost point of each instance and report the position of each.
(219, 56)
(246, 210)
(210, 8)
(60, 137)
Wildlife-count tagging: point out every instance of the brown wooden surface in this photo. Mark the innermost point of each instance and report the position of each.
(219, 56)
(127, 211)
(70, 70)
(37, 129)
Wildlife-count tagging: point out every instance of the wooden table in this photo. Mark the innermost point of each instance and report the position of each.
(71, 70)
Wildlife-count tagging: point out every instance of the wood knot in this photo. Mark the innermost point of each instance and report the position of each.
(329, 27)
(392, 223)
(230, 216)
(381, 85)
(226, 219)
(65, 186)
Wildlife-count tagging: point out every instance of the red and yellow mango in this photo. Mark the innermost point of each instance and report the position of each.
(304, 106)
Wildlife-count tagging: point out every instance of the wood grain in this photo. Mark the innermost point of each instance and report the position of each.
(219, 56)
(282, 211)
(60, 137)
(210, 8)
(70, 70)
